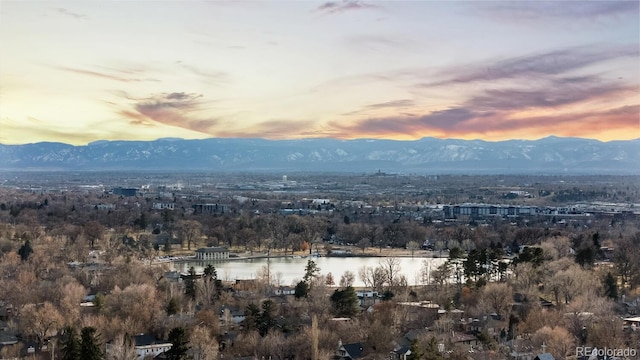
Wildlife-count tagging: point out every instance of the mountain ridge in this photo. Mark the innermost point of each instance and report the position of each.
(550, 155)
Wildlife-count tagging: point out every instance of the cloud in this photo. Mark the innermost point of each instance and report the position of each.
(552, 95)
(392, 104)
(178, 109)
(216, 77)
(545, 64)
(70, 13)
(336, 7)
(518, 11)
(276, 129)
(464, 122)
(102, 75)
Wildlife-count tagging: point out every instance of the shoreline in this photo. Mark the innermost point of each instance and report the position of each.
(384, 254)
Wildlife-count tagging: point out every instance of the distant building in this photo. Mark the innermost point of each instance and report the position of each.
(105, 206)
(209, 208)
(124, 191)
(163, 206)
(212, 253)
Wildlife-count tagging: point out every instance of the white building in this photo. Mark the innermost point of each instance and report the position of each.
(146, 346)
(212, 253)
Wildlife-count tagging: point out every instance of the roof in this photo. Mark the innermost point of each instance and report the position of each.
(544, 356)
(403, 350)
(354, 350)
(147, 340)
(213, 249)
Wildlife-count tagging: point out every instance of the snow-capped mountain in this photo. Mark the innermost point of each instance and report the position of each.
(550, 155)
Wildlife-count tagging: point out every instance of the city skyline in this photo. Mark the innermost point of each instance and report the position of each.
(77, 72)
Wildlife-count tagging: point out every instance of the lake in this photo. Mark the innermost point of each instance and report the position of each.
(291, 269)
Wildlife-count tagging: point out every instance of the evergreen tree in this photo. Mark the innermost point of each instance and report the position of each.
(345, 302)
(70, 344)
(172, 307)
(251, 317)
(416, 351)
(98, 302)
(610, 286)
(302, 290)
(432, 352)
(25, 250)
(311, 271)
(179, 348)
(210, 272)
(267, 319)
(90, 345)
(190, 284)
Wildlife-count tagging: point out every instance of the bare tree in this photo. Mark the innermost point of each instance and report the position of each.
(347, 279)
(391, 268)
(121, 348)
(41, 321)
(189, 232)
(372, 277)
(497, 297)
(412, 246)
(557, 340)
(204, 346)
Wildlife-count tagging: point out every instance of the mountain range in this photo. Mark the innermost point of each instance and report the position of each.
(551, 155)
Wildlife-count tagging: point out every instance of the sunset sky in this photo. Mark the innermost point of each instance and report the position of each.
(81, 71)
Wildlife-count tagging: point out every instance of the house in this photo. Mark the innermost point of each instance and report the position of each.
(212, 253)
(231, 314)
(544, 356)
(464, 339)
(349, 351)
(367, 297)
(401, 353)
(147, 346)
(285, 290)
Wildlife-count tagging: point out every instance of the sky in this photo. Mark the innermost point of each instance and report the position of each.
(82, 71)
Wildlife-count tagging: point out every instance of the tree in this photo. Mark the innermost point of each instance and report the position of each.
(311, 271)
(70, 345)
(172, 307)
(347, 279)
(189, 232)
(345, 302)
(610, 286)
(251, 317)
(301, 290)
(413, 246)
(93, 230)
(498, 298)
(204, 346)
(416, 351)
(210, 271)
(41, 321)
(122, 348)
(329, 279)
(558, 340)
(179, 342)
(373, 277)
(267, 320)
(190, 284)
(90, 344)
(25, 250)
(391, 269)
(433, 353)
